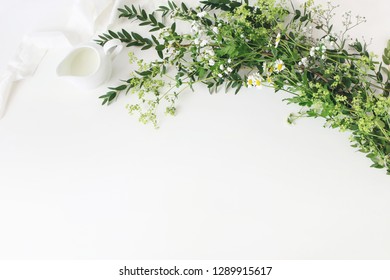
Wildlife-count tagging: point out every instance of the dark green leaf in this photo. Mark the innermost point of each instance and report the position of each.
(145, 23)
(297, 15)
(160, 54)
(147, 47)
(160, 47)
(184, 8)
(126, 34)
(155, 40)
(153, 19)
(137, 36)
(154, 29)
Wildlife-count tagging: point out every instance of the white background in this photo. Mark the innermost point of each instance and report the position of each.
(225, 179)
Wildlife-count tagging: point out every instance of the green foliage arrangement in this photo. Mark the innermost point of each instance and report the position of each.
(271, 44)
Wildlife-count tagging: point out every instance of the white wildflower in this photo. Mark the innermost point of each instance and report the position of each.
(202, 14)
(204, 43)
(304, 61)
(211, 62)
(215, 30)
(209, 51)
(279, 65)
(195, 26)
(220, 75)
(313, 51)
(230, 70)
(250, 81)
(222, 67)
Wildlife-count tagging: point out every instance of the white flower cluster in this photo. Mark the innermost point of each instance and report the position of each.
(304, 62)
(202, 14)
(170, 51)
(224, 69)
(319, 51)
(308, 31)
(328, 42)
(204, 41)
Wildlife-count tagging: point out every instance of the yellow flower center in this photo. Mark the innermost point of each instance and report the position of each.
(258, 83)
(250, 82)
(280, 67)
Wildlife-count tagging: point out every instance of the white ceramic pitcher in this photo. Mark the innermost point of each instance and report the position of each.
(89, 65)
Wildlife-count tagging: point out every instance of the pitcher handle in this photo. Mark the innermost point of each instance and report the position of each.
(113, 47)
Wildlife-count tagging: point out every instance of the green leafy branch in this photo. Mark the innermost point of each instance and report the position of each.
(130, 39)
(223, 5)
(141, 15)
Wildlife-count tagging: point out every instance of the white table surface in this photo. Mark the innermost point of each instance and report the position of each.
(227, 178)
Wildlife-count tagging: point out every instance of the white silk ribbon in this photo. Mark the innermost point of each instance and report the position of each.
(87, 18)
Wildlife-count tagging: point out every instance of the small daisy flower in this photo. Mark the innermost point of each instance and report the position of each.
(211, 62)
(277, 41)
(220, 75)
(279, 65)
(258, 82)
(230, 70)
(255, 80)
(222, 67)
(250, 81)
(229, 61)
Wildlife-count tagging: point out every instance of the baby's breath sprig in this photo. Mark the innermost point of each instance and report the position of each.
(236, 44)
